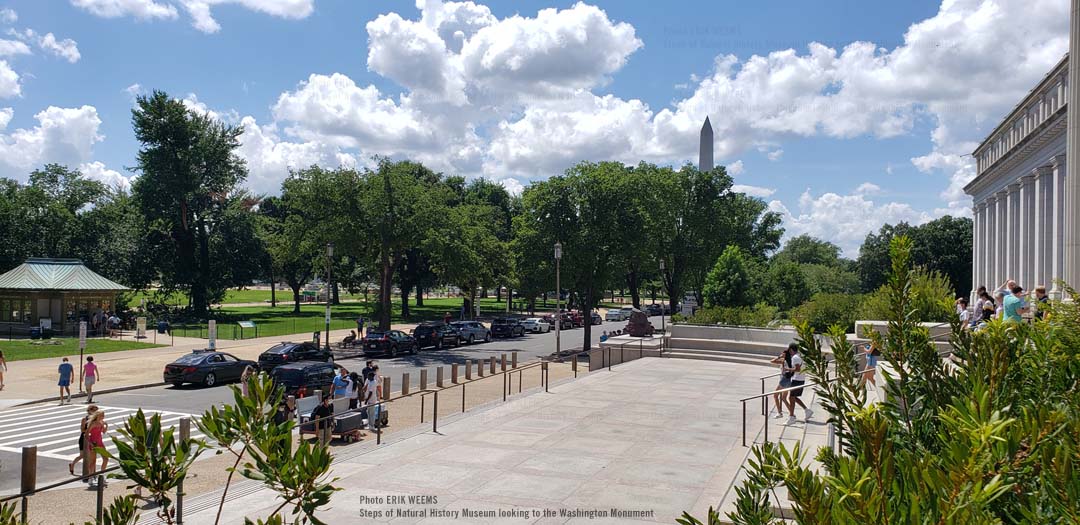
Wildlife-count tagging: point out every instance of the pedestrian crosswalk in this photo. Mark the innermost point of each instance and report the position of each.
(55, 429)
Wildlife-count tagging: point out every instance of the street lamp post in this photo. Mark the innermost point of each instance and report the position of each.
(329, 257)
(558, 299)
(663, 325)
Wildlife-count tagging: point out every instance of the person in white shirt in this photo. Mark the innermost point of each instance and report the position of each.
(372, 394)
(798, 379)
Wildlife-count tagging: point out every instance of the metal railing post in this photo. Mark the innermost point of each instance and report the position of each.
(185, 434)
(100, 498)
(766, 398)
(544, 374)
(763, 393)
(463, 397)
(573, 365)
(435, 414)
(422, 396)
(744, 423)
(504, 386)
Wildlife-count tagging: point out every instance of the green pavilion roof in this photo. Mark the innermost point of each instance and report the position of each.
(56, 274)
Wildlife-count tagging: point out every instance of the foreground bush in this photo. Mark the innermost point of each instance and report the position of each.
(994, 440)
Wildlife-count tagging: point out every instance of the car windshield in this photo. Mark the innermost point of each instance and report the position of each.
(280, 349)
(500, 321)
(191, 359)
(375, 335)
(288, 376)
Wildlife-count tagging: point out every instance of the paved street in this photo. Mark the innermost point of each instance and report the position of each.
(54, 429)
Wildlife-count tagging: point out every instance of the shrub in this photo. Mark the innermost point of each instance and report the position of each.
(931, 299)
(760, 314)
(824, 310)
(728, 283)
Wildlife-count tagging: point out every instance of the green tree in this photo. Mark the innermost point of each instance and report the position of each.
(830, 279)
(473, 254)
(728, 283)
(806, 249)
(943, 245)
(784, 284)
(188, 170)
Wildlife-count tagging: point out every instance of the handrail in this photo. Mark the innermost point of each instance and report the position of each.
(755, 396)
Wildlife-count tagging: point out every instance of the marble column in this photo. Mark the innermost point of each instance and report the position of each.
(977, 221)
(1071, 200)
(989, 246)
(1012, 242)
(1026, 266)
(1041, 246)
(1000, 238)
(1058, 221)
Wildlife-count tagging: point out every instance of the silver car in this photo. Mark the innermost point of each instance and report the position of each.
(470, 332)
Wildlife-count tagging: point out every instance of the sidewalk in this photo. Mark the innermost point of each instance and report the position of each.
(35, 379)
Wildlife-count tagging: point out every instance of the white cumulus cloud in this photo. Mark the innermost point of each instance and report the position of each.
(63, 136)
(753, 191)
(8, 15)
(97, 170)
(139, 9)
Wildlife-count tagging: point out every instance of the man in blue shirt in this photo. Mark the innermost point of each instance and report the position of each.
(341, 383)
(66, 372)
(1014, 307)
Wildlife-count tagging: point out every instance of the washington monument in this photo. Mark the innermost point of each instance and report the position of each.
(705, 158)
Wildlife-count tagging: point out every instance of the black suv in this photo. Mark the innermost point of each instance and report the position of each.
(434, 335)
(507, 327)
(303, 378)
(292, 352)
(390, 343)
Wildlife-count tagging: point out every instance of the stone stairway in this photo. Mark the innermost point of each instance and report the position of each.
(812, 435)
(733, 344)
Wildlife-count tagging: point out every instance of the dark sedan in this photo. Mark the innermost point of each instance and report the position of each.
(507, 327)
(434, 335)
(206, 368)
(390, 343)
(292, 352)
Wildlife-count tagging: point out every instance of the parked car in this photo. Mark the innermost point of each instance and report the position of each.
(577, 318)
(303, 378)
(389, 343)
(286, 352)
(205, 367)
(566, 324)
(595, 318)
(434, 335)
(653, 309)
(507, 327)
(537, 325)
(470, 332)
(617, 314)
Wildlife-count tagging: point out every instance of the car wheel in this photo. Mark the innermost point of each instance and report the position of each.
(210, 379)
(393, 351)
(471, 339)
(330, 359)
(438, 344)
(487, 337)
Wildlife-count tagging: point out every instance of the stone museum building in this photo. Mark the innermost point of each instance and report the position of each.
(1019, 192)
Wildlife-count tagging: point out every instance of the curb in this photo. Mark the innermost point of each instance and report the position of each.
(99, 392)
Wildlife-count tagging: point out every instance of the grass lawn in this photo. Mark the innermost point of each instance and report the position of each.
(231, 297)
(59, 347)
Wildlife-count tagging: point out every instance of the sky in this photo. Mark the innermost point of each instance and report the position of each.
(843, 115)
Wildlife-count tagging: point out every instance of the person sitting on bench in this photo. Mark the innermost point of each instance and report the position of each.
(349, 339)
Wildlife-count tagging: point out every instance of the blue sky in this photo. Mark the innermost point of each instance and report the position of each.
(870, 124)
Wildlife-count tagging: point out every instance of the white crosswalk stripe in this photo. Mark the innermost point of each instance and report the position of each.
(54, 430)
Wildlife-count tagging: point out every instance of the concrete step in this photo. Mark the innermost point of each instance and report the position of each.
(728, 345)
(714, 355)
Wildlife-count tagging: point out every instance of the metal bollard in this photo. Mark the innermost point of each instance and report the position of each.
(439, 377)
(405, 383)
(185, 434)
(468, 369)
(544, 374)
(454, 373)
(503, 362)
(423, 379)
(513, 360)
(492, 368)
(29, 477)
(100, 497)
(385, 388)
(573, 365)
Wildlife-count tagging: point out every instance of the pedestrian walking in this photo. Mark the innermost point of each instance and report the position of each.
(91, 375)
(369, 367)
(90, 411)
(324, 423)
(1042, 301)
(870, 372)
(372, 395)
(66, 373)
(798, 379)
(780, 398)
(248, 373)
(95, 437)
(3, 368)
